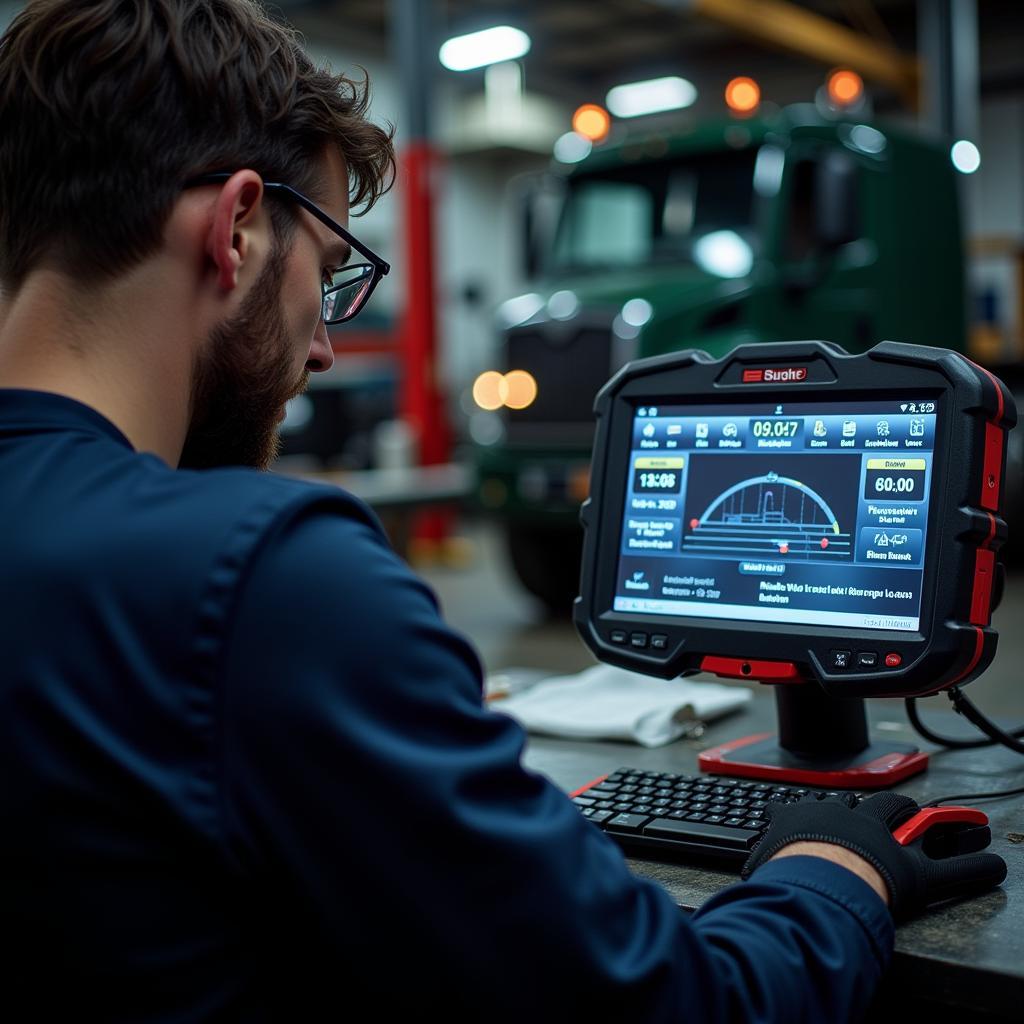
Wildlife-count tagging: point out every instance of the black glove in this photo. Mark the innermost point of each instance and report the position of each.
(913, 877)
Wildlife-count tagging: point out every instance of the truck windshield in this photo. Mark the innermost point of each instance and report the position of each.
(654, 212)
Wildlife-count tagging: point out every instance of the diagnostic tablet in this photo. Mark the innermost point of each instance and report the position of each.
(795, 513)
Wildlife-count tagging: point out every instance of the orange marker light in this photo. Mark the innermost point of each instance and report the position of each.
(489, 390)
(520, 389)
(592, 122)
(845, 87)
(742, 95)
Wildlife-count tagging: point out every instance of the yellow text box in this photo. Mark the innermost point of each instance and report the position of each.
(656, 462)
(896, 464)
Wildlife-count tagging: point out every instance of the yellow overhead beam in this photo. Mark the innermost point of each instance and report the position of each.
(791, 28)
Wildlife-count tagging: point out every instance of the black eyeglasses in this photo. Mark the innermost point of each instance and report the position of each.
(349, 288)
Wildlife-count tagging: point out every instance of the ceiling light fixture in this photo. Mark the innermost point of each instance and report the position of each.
(651, 97)
(478, 49)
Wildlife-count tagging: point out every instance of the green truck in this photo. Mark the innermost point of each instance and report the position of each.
(796, 225)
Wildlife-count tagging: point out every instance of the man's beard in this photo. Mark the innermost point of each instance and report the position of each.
(241, 380)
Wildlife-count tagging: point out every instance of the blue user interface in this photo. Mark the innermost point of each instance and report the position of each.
(799, 513)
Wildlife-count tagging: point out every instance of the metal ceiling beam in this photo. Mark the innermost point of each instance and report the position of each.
(787, 27)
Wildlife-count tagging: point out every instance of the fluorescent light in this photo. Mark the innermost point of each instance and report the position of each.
(650, 97)
(478, 49)
(572, 147)
(965, 156)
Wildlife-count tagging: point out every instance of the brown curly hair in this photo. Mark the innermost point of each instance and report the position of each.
(108, 106)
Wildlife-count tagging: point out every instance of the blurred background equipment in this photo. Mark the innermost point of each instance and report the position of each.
(584, 181)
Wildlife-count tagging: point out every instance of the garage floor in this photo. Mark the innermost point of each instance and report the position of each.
(508, 628)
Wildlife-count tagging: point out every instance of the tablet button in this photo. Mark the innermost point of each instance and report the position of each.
(841, 659)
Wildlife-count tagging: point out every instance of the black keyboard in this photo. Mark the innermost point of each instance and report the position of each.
(682, 817)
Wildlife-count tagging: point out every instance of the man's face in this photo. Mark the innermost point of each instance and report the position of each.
(251, 365)
(241, 381)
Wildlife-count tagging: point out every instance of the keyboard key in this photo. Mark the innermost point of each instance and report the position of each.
(600, 816)
(629, 822)
(733, 822)
(755, 823)
(582, 801)
(730, 838)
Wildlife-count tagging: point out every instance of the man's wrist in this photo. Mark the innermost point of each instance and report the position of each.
(843, 857)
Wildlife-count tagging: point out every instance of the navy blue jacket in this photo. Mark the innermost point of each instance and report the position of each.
(247, 774)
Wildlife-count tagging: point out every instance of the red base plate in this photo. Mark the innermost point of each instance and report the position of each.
(761, 757)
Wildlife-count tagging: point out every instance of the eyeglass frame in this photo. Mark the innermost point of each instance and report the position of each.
(380, 266)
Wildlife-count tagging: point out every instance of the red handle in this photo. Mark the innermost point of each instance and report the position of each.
(929, 816)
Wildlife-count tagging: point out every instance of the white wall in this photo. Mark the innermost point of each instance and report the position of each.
(995, 204)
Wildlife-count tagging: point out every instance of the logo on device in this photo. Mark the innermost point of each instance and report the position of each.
(775, 375)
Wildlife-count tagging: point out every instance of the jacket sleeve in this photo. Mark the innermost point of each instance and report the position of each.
(366, 785)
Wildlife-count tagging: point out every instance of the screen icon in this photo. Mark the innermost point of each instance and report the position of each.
(819, 428)
(702, 430)
(849, 428)
(917, 428)
(649, 430)
(730, 430)
(641, 412)
(883, 428)
(674, 429)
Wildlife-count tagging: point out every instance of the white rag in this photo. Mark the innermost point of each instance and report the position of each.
(604, 702)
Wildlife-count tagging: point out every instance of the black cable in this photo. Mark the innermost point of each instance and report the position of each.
(934, 737)
(964, 707)
(997, 795)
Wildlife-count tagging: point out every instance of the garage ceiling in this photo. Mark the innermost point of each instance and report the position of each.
(583, 47)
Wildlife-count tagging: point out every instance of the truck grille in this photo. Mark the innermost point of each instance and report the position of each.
(570, 366)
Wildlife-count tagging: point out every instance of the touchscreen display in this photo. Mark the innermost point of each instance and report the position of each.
(804, 513)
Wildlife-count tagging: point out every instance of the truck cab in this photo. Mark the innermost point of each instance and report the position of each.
(791, 226)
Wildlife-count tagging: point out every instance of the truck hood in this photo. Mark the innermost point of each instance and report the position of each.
(669, 289)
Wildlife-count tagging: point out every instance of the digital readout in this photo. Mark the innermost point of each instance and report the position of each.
(895, 478)
(775, 428)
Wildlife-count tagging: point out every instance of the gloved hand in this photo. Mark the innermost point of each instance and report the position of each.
(914, 879)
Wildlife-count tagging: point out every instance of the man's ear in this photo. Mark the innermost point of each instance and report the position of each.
(230, 235)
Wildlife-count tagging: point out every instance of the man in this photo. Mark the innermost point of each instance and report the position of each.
(247, 773)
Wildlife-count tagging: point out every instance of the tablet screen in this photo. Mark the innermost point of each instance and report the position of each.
(810, 513)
